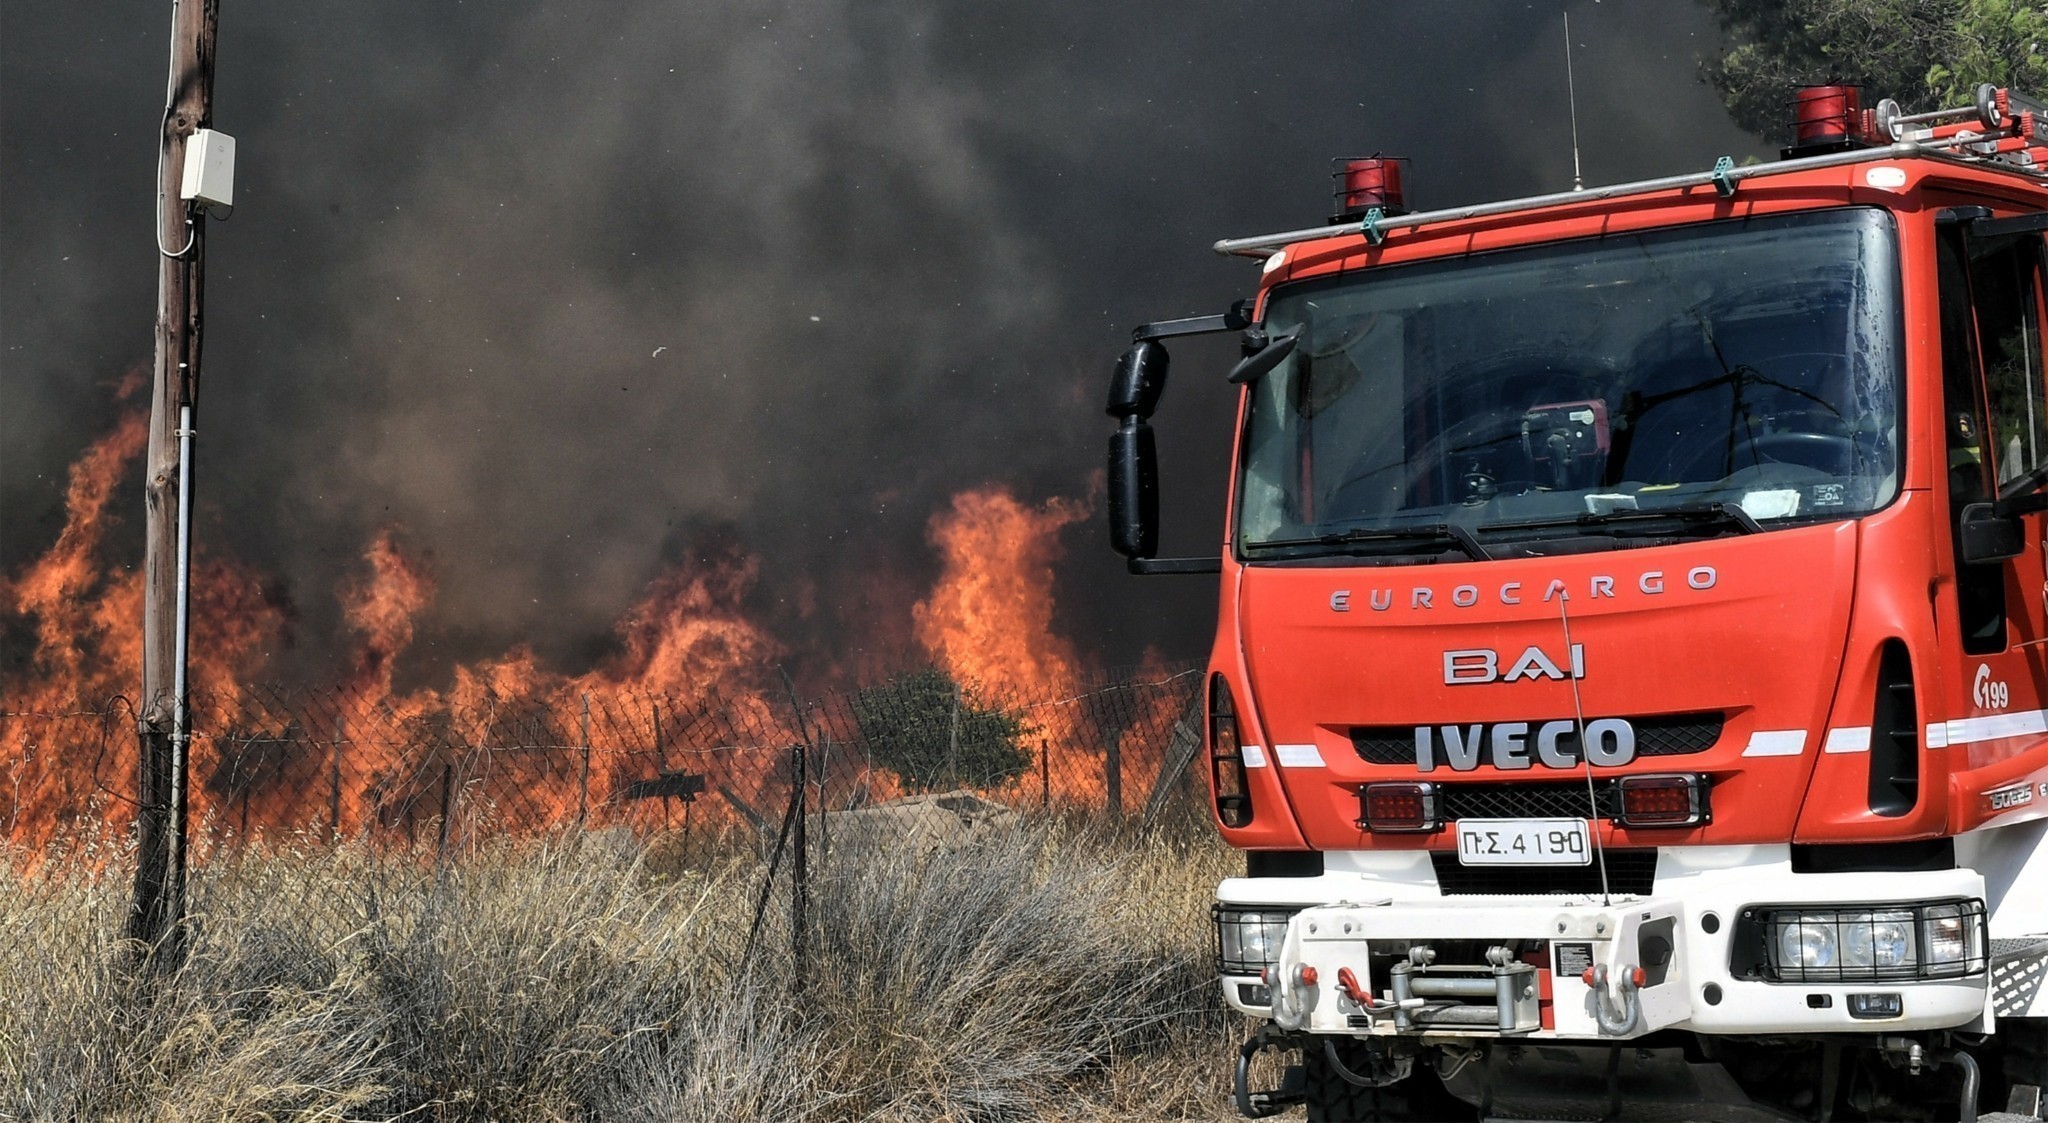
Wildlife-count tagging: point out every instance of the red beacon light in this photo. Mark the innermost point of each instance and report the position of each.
(1827, 119)
(1365, 183)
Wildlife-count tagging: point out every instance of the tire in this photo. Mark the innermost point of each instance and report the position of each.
(1333, 1099)
(2022, 1051)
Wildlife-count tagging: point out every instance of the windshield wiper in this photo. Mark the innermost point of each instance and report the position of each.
(1709, 514)
(1442, 534)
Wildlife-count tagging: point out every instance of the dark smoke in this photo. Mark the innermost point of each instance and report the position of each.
(569, 291)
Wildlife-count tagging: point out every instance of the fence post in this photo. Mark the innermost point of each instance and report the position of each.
(447, 808)
(824, 805)
(953, 741)
(583, 776)
(799, 874)
(660, 758)
(1183, 745)
(1113, 776)
(334, 780)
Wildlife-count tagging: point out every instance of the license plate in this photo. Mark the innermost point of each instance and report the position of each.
(1523, 842)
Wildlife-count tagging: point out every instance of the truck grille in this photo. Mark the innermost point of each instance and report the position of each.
(1565, 800)
(1628, 871)
(1660, 735)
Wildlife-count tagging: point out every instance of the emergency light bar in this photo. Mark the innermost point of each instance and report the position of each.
(2018, 142)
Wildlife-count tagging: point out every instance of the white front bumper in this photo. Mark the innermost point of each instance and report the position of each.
(1699, 895)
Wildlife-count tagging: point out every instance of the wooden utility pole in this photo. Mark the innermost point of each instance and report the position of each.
(181, 242)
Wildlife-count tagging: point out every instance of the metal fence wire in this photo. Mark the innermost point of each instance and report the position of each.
(774, 778)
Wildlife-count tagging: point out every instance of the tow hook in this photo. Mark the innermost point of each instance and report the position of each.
(1348, 984)
(1613, 1022)
(1293, 1084)
(1293, 995)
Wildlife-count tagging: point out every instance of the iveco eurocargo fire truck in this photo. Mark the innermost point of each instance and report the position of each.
(1631, 684)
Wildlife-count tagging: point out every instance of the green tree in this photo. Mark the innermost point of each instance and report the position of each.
(922, 727)
(1927, 54)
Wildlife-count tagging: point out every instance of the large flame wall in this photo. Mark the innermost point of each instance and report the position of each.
(687, 719)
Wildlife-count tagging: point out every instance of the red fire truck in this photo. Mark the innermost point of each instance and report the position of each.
(1631, 684)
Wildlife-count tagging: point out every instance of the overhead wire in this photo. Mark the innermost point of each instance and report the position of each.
(1579, 715)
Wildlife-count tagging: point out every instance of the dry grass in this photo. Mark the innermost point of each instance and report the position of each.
(1051, 972)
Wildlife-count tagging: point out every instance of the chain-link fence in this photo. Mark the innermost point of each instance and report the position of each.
(772, 777)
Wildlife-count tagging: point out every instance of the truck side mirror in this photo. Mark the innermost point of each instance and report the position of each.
(1987, 536)
(1133, 489)
(1139, 380)
(1259, 363)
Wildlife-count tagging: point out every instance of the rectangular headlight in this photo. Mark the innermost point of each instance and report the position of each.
(1248, 937)
(1861, 943)
(1952, 937)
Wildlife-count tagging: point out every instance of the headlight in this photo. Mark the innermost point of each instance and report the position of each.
(1861, 943)
(1248, 938)
(1806, 941)
(1885, 940)
(1954, 938)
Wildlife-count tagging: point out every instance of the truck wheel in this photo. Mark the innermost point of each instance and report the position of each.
(2022, 1045)
(1333, 1099)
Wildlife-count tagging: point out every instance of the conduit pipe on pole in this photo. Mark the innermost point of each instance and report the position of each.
(181, 714)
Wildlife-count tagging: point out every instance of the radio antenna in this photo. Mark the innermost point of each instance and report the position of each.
(1571, 657)
(1571, 94)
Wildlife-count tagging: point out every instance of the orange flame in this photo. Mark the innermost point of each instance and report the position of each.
(87, 635)
(688, 639)
(382, 608)
(686, 649)
(66, 591)
(988, 621)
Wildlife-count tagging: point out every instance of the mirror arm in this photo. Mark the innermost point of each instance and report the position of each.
(1148, 567)
(1988, 227)
(1237, 319)
(2021, 504)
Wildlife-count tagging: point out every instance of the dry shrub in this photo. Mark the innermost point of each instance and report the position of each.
(1048, 971)
(1004, 980)
(739, 1055)
(511, 978)
(91, 1027)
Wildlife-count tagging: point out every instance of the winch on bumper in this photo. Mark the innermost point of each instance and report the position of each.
(1697, 957)
(1470, 968)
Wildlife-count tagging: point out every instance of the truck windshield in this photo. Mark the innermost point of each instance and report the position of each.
(1727, 377)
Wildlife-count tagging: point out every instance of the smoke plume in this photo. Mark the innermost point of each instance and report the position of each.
(563, 298)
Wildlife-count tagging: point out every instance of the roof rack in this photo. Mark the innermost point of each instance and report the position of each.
(1988, 131)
